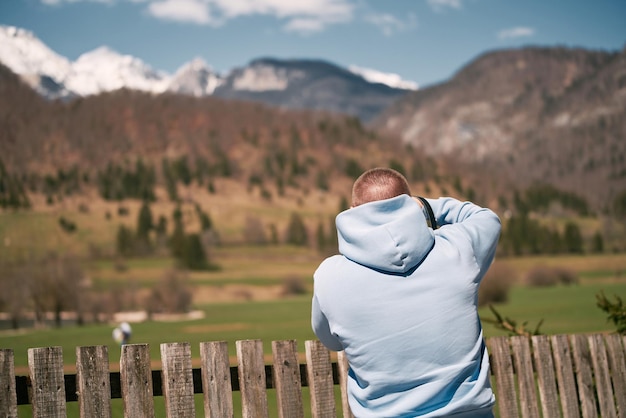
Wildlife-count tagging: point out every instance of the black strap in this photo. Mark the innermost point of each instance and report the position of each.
(432, 222)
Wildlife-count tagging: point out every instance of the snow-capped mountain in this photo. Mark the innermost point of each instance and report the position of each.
(389, 79)
(195, 78)
(308, 84)
(106, 70)
(39, 66)
(94, 72)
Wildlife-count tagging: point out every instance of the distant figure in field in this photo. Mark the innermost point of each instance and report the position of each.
(401, 301)
(122, 334)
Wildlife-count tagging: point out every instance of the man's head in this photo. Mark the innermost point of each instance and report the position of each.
(378, 184)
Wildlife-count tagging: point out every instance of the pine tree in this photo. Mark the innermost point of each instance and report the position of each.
(194, 256)
(177, 240)
(124, 241)
(573, 238)
(597, 243)
(144, 222)
(296, 231)
(321, 237)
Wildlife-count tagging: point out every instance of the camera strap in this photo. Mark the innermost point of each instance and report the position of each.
(432, 222)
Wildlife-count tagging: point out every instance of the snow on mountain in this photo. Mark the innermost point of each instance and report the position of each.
(39, 66)
(195, 78)
(390, 79)
(25, 54)
(260, 76)
(104, 69)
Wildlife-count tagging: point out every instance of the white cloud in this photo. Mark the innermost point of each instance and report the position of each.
(301, 16)
(304, 16)
(516, 32)
(194, 11)
(442, 5)
(57, 2)
(390, 24)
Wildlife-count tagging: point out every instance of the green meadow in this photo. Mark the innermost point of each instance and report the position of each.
(563, 309)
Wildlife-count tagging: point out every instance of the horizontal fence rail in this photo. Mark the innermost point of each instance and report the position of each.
(47, 389)
(542, 376)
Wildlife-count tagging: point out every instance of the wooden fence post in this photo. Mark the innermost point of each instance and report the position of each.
(617, 364)
(136, 381)
(505, 381)
(48, 382)
(8, 395)
(177, 380)
(525, 376)
(342, 363)
(216, 381)
(568, 395)
(546, 379)
(93, 381)
(252, 378)
(287, 379)
(602, 375)
(320, 377)
(582, 361)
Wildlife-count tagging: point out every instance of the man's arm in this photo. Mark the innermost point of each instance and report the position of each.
(481, 224)
(321, 327)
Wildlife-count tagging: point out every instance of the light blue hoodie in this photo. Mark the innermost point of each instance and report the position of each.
(401, 300)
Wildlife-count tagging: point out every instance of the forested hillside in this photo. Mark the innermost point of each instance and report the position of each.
(163, 149)
(553, 115)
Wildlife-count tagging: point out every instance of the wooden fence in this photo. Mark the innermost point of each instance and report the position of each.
(542, 376)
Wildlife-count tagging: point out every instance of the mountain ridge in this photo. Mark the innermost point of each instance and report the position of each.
(536, 114)
(103, 70)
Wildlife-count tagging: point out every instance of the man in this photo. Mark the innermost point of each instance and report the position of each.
(401, 300)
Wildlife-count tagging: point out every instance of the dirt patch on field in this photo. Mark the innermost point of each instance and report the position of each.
(236, 293)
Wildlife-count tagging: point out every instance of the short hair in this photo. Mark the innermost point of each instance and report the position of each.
(378, 184)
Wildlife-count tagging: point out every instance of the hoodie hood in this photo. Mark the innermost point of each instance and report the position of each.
(389, 235)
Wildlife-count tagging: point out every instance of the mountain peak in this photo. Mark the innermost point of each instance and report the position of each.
(25, 54)
(389, 79)
(15, 32)
(104, 69)
(195, 78)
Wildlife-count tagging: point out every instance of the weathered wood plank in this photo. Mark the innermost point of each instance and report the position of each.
(617, 364)
(602, 376)
(525, 376)
(320, 376)
(546, 380)
(502, 367)
(216, 380)
(93, 381)
(566, 381)
(287, 379)
(48, 383)
(177, 380)
(342, 362)
(136, 381)
(584, 377)
(252, 378)
(8, 393)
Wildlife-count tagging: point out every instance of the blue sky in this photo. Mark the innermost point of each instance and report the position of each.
(425, 41)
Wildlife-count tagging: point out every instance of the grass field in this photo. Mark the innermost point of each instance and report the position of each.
(563, 309)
